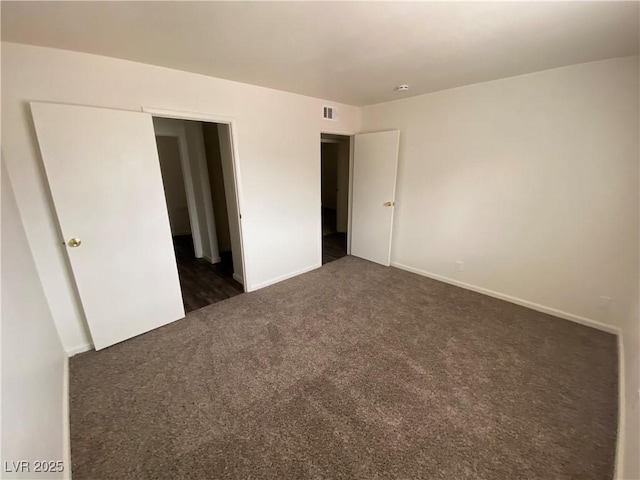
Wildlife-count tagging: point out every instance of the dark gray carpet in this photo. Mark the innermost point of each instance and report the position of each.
(352, 371)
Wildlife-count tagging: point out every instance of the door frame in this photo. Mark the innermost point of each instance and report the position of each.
(351, 136)
(233, 130)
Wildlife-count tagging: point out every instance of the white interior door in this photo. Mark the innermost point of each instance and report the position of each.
(375, 164)
(104, 175)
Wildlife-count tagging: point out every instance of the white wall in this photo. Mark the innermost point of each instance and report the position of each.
(33, 360)
(532, 181)
(279, 155)
(173, 181)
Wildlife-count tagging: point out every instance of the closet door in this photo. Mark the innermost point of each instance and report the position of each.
(104, 175)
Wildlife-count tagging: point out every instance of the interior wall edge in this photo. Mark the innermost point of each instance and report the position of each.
(85, 347)
(253, 288)
(33, 356)
(618, 465)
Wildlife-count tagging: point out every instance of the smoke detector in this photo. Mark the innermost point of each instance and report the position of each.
(402, 88)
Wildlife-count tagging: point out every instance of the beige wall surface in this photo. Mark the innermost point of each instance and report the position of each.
(532, 182)
(33, 359)
(629, 435)
(278, 154)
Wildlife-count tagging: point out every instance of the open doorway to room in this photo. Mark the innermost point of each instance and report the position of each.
(199, 182)
(335, 152)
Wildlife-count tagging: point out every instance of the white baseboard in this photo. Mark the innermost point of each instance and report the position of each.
(66, 431)
(283, 277)
(79, 349)
(238, 278)
(621, 411)
(518, 301)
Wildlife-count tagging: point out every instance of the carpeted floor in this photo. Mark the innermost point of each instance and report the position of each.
(352, 371)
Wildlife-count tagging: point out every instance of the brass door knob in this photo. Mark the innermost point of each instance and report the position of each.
(388, 204)
(74, 242)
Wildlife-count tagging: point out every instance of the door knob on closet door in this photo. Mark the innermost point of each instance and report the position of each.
(74, 242)
(388, 204)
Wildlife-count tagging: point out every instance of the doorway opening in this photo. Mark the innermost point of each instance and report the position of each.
(196, 162)
(334, 157)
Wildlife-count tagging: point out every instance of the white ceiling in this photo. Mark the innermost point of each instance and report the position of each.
(351, 52)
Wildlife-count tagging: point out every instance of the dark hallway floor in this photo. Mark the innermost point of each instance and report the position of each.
(334, 246)
(203, 283)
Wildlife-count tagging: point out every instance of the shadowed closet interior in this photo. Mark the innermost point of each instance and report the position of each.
(194, 182)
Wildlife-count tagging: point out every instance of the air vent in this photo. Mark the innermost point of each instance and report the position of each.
(329, 113)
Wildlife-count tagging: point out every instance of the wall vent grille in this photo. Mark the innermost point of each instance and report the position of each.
(329, 113)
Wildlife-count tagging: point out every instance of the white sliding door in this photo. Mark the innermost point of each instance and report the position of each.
(103, 171)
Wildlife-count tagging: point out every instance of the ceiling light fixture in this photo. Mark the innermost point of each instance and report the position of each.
(402, 88)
